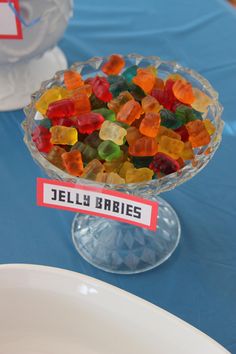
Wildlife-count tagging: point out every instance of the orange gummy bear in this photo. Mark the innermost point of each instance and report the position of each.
(144, 79)
(150, 124)
(144, 146)
(82, 103)
(183, 91)
(130, 111)
(114, 65)
(72, 80)
(198, 134)
(132, 135)
(150, 104)
(73, 163)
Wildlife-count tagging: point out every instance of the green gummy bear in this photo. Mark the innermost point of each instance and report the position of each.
(118, 84)
(106, 113)
(170, 120)
(47, 123)
(88, 153)
(130, 73)
(109, 151)
(187, 114)
(136, 92)
(93, 140)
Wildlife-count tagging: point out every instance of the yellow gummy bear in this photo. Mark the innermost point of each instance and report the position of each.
(171, 147)
(202, 101)
(187, 153)
(51, 95)
(110, 177)
(163, 131)
(63, 135)
(125, 167)
(209, 126)
(137, 175)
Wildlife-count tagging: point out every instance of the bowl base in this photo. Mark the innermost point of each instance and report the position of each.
(126, 249)
(20, 80)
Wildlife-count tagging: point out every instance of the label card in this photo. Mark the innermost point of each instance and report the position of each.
(97, 201)
(10, 25)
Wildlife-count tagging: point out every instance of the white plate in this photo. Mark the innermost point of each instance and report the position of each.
(47, 310)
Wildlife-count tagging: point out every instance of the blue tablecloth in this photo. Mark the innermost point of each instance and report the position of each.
(198, 283)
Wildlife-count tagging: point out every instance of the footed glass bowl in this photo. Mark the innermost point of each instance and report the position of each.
(110, 245)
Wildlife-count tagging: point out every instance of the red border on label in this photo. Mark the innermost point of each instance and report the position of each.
(154, 205)
(19, 34)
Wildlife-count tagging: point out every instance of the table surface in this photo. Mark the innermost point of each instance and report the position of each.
(198, 283)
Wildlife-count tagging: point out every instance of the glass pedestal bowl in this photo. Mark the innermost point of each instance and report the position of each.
(111, 245)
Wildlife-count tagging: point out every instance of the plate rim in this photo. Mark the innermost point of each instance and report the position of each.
(107, 286)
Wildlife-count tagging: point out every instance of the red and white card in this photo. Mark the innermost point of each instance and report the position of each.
(97, 201)
(10, 25)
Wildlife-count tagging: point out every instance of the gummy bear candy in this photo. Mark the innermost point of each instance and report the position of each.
(144, 146)
(167, 132)
(67, 122)
(164, 164)
(63, 135)
(117, 85)
(61, 109)
(96, 103)
(183, 132)
(150, 124)
(55, 156)
(85, 89)
(100, 87)
(124, 168)
(132, 135)
(198, 134)
(144, 79)
(130, 111)
(165, 96)
(82, 103)
(169, 119)
(72, 80)
(186, 114)
(41, 136)
(138, 175)
(136, 91)
(92, 169)
(183, 91)
(106, 113)
(110, 177)
(73, 163)
(88, 122)
(209, 126)
(93, 140)
(111, 131)
(88, 153)
(187, 152)
(47, 123)
(115, 165)
(114, 65)
(159, 84)
(109, 151)
(171, 147)
(116, 103)
(130, 73)
(51, 95)
(150, 104)
(202, 101)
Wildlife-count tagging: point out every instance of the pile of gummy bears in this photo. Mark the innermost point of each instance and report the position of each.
(129, 126)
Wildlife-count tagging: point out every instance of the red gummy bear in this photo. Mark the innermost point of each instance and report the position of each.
(89, 122)
(61, 109)
(165, 97)
(41, 137)
(183, 132)
(100, 87)
(66, 122)
(164, 164)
